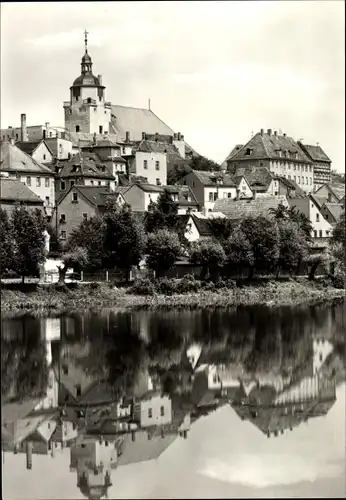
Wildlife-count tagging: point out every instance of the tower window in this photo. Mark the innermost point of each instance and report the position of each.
(62, 186)
(77, 128)
(77, 98)
(89, 100)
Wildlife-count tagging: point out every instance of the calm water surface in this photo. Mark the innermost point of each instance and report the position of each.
(244, 402)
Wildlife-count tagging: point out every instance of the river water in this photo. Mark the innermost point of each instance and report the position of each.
(241, 402)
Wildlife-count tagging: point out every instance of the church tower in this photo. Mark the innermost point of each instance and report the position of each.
(87, 112)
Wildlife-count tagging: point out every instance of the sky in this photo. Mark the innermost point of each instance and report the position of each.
(215, 71)
(223, 457)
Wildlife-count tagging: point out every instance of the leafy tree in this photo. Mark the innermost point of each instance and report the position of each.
(163, 214)
(75, 259)
(209, 255)
(294, 215)
(6, 246)
(163, 249)
(294, 247)
(90, 235)
(316, 260)
(338, 235)
(29, 240)
(54, 242)
(221, 228)
(203, 163)
(124, 241)
(239, 251)
(337, 177)
(263, 235)
(177, 172)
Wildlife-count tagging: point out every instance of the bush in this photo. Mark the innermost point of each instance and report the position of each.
(338, 281)
(188, 284)
(94, 285)
(142, 286)
(167, 286)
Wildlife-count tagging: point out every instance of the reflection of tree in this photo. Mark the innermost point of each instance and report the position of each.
(24, 372)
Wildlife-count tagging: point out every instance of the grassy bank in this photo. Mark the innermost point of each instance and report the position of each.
(48, 300)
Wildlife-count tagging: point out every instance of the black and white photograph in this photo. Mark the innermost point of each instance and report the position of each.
(172, 249)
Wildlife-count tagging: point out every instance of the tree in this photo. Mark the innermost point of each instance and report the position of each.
(337, 177)
(316, 260)
(124, 240)
(338, 235)
(163, 214)
(294, 215)
(90, 235)
(163, 249)
(238, 250)
(203, 163)
(75, 259)
(177, 172)
(294, 247)
(221, 228)
(210, 255)
(54, 242)
(29, 240)
(263, 234)
(6, 246)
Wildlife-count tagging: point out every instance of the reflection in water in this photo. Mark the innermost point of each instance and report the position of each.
(118, 389)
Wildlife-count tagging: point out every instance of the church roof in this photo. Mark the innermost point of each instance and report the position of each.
(88, 79)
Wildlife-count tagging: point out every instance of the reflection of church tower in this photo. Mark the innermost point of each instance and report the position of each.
(86, 111)
(92, 460)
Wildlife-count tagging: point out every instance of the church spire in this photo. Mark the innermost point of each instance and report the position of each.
(86, 59)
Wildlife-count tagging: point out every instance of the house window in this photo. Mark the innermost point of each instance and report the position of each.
(38, 181)
(46, 182)
(310, 181)
(261, 163)
(215, 196)
(77, 126)
(295, 167)
(145, 164)
(157, 165)
(63, 235)
(158, 182)
(62, 218)
(28, 181)
(75, 197)
(298, 179)
(17, 137)
(100, 129)
(302, 179)
(320, 233)
(289, 176)
(150, 413)
(91, 183)
(317, 217)
(294, 178)
(315, 234)
(306, 181)
(248, 151)
(44, 157)
(211, 197)
(85, 216)
(47, 201)
(225, 195)
(108, 183)
(62, 186)
(72, 183)
(162, 411)
(78, 390)
(99, 183)
(229, 195)
(327, 233)
(306, 168)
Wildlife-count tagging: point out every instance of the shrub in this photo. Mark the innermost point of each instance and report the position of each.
(142, 286)
(338, 281)
(188, 284)
(167, 286)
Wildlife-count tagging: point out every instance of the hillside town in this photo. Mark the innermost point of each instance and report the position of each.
(130, 156)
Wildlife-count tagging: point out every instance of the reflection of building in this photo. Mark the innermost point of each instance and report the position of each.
(93, 460)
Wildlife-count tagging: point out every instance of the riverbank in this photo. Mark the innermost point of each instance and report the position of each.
(48, 300)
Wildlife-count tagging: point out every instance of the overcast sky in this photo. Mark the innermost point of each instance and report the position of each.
(223, 457)
(215, 71)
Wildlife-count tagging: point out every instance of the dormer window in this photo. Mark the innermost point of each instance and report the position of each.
(249, 151)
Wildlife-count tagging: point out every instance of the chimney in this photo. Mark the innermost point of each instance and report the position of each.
(23, 134)
(47, 127)
(29, 455)
(269, 131)
(144, 135)
(99, 77)
(262, 132)
(254, 193)
(178, 136)
(175, 136)
(238, 195)
(127, 136)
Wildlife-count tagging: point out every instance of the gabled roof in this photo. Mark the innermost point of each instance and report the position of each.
(15, 190)
(302, 204)
(233, 152)
(259, 177)
(105, 142)
(337, 189)
(85, 165)
(15, 160)
(291, 184)
(144, 449)
(30, 146)
(238, 209)
(209, 178)
(315, 153)
(265, 146)
(157, 147)
(335, 209)
(319, 201)
(96, 195)
(148, 188)
(203, 226)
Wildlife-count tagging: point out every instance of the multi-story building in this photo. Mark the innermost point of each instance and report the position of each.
(38, 150)
(281, 154)
(37, 177)
(321, 164)
(321, 228)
